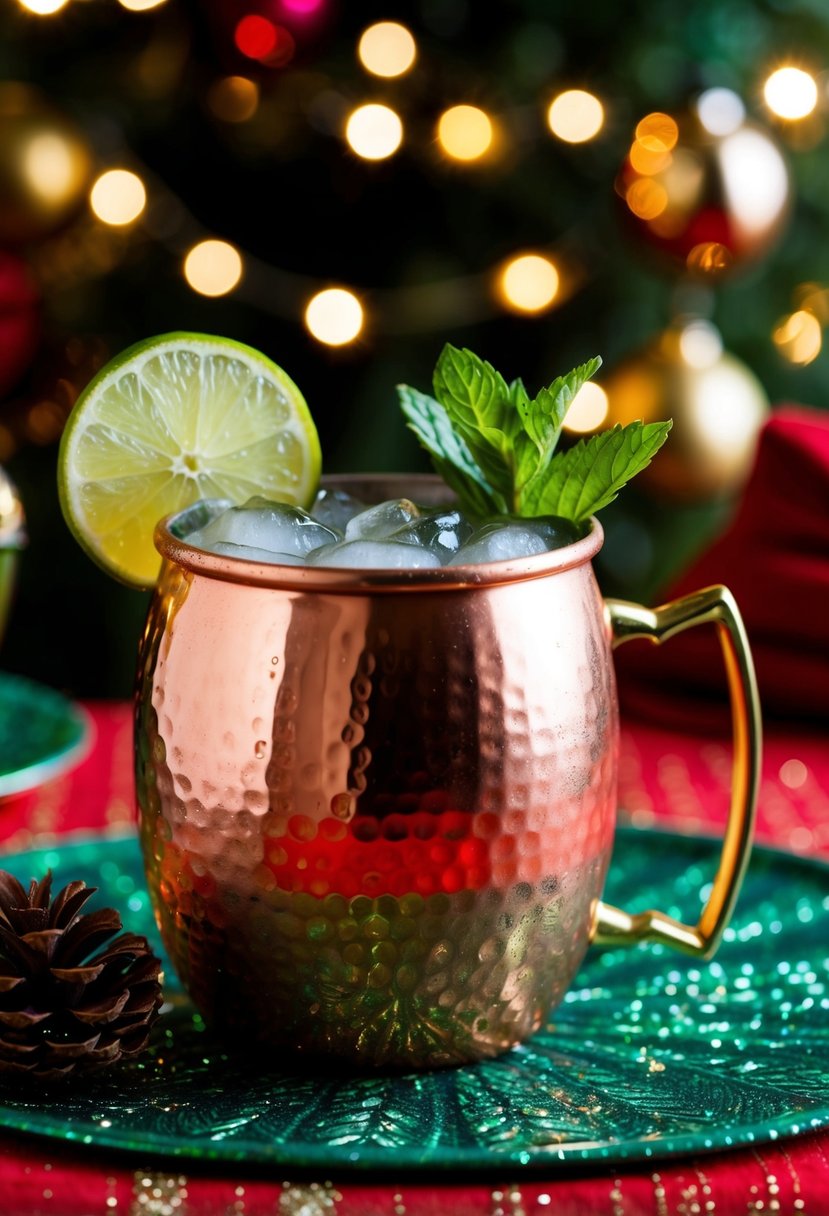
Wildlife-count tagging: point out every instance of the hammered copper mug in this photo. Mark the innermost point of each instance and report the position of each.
(377, 808)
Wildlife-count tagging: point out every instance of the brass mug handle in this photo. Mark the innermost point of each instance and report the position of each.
(613, 926)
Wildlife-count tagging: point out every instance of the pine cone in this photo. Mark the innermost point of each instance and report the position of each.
(62, 1011)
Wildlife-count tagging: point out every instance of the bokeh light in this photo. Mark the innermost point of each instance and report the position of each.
(374, 131)
(43, 8)
(720, 111)
(256, 36)
(648, 161)
(657, 132)
(465, 132)
(233, 98)
(793, 774)
(49, 166)
(334, 316)
(646, 198)
(588, 410)
(575, 116)
(709, 258)
(650, 153)
(118, 197)
(387, 49)
(213, 268)
(798, 337)
(700, 344)
(140, 6)
(528, 283)
(303, 8)
(814, 297)
(790, 93)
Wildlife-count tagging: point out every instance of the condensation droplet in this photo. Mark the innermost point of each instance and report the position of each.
(260, 749)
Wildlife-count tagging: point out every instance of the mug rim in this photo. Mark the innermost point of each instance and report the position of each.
(344, 580)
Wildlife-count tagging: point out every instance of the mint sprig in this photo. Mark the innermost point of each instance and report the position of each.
(495, 446)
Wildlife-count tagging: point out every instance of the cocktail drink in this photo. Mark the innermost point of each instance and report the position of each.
(377, 803)
(376, 741)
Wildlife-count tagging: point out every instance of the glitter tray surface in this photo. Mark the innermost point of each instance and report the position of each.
(651, 1054)
(42, 735)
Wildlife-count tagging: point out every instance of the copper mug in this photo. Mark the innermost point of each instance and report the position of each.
(377, 808)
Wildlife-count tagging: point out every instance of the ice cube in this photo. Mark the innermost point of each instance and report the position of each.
(381, 521)
(554, 530)
(443, 532)
(334, 508)
(250, 554)
(509, 538)
(375, 555)
(261, 524)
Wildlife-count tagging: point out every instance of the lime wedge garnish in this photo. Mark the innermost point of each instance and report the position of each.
(171, 420)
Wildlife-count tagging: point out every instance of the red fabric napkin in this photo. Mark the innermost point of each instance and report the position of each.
(774, 556)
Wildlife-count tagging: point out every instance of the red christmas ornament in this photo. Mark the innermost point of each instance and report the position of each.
(707, 189)
(19, 320)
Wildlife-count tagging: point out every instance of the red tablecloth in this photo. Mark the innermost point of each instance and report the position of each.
(666, 780)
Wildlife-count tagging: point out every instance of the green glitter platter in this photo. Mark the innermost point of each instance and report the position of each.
(651, 1054)
(42, 735)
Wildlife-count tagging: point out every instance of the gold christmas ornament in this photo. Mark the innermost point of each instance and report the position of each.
(45, 166)
(717, 404)
(708, 188)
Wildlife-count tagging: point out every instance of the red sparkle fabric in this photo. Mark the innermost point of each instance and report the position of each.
(666, 779)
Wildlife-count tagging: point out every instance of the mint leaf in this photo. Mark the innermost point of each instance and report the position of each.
(590, 475)
(450, 455)
(496, 447)
(542, 419)
(519, 396)
(551, 404)
(472, 392)
(527, 464)
(477, 401)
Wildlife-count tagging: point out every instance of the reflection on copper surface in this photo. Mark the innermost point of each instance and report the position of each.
(377, 809)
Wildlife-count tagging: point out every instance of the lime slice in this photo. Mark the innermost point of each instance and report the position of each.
(171, 420)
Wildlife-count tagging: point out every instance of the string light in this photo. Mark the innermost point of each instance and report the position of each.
(213, 268)
(118, 197)
(575, 116)
(43, 8)
(588, 409)
(233, 98)
(409, 310)
(465, 132)
(528, 283)
(387, 49)
(799, 338)
(374, 131)
(790, 93)
(334, 316)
